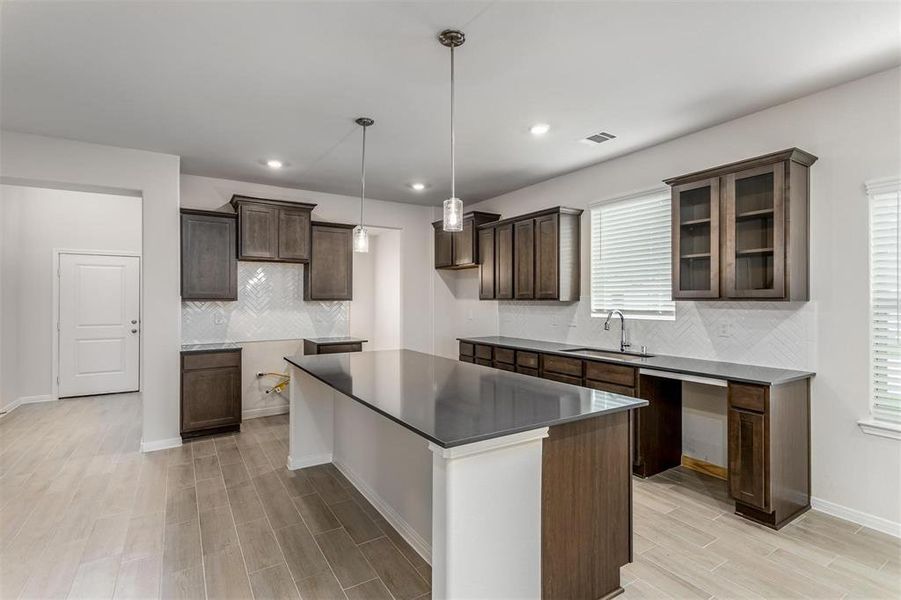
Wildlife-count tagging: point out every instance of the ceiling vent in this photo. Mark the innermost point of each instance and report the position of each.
(600, 138)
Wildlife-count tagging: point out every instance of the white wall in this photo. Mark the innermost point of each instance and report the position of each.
(853, 129)
(53, 162)
(46, 220)
(403, 319)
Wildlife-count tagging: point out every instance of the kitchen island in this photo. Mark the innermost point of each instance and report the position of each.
(513, 487)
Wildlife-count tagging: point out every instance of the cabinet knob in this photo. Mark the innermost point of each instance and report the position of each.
(134, 330)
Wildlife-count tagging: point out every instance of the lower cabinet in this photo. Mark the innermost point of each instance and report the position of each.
(315, 346)
(748, 463)
(210, 392)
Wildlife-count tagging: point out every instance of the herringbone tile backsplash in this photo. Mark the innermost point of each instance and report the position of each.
(763, 333)
(270, 306)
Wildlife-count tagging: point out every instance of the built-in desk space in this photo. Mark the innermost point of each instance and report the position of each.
(768, 414)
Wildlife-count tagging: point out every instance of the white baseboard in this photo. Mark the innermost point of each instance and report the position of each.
(310, 461)
(27, 400)
(856, 516)
(268, 411)
(412, 537)
(160, 444)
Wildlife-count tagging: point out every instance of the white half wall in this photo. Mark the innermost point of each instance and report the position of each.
(54, 162)
(46, 220)
(853, 129)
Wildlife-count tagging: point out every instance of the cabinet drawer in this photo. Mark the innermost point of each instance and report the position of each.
(210, 360)
(618, 374)
(466, 349)
(468, 359)
(748, 397)
(527, 371)
(527, 359)
(483, 362)
(483, 352)
(338, 348)
(610, 387)
(561, 364)
(504, 366)
(563, 378)
(503, 355)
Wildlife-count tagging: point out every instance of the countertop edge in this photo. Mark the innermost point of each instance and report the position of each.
(801, 375)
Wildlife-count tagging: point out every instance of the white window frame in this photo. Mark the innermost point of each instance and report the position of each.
(597, 310)
(878, 422)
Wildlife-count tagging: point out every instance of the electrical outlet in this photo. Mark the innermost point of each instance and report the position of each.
(725, 330)
(218, 320)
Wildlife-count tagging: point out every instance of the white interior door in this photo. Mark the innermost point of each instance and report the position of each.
(99, 332)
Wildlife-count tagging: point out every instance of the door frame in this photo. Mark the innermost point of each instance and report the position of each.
(54, 307)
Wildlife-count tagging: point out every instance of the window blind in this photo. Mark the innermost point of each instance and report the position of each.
(631, 256)
(885, 299)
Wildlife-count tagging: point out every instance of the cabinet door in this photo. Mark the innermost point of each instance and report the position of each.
(444, 248)
(293, 234)
(210, 398)
(748, 458)
(754, 242)
(696, 239)
(486, 266)
(547, 257)
(524, 259)
(209, 265)
(329, 276)
(464, 242)
(258, 239)
(503, 262)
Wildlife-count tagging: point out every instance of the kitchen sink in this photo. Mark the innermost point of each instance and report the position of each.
(607, 353)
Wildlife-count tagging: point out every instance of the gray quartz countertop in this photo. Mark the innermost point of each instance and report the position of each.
(221, 347)
(452, 403)
(674, 364)
(325, 341)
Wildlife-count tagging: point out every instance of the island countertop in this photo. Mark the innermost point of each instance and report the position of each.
(452, 403)
(674, 364)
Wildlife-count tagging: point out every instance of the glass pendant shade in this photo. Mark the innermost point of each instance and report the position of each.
(453, 214)
(361, 239)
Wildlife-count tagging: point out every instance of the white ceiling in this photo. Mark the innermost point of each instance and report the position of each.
(228, 84)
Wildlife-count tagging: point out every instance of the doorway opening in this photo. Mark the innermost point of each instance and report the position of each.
(375, 310)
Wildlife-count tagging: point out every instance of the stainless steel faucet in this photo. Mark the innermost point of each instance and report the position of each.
(623, 338)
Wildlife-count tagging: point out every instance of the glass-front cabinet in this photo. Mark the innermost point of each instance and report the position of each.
(740, 231)
(696, 249)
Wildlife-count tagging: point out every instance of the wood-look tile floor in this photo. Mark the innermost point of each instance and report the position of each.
(83, 514)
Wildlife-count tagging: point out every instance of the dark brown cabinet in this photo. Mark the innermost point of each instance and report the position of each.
(460, 249)
(524, 259)
(487, 266)
(536, 256)
(329, 276)
(740, 231)
(210, 391)
(334, 345)
(503, 262)
(209, 265)
(273, 230)
(747, 458)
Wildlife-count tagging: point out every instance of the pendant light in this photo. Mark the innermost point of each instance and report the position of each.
(361, 236)
(453, 206)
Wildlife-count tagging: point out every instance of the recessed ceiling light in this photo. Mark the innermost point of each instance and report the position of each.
(417, 186)
(540, 128)
(273, 163)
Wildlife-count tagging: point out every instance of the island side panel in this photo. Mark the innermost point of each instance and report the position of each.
(586, 507)
(311, 420)
(486, 523)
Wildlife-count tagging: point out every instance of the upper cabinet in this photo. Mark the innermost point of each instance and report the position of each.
(329, 276)
(209, 267)
(273, 230)
(535, 257)
(460, 249)
(740, 231)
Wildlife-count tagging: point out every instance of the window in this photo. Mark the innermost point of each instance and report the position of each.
(885, 299)
(631, 256)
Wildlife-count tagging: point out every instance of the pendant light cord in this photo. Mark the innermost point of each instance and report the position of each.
(453, 134)
(363, 177)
